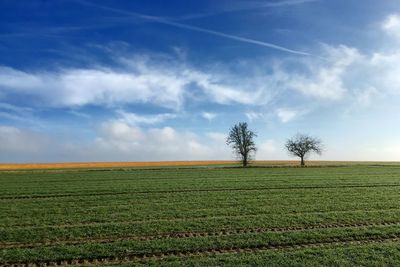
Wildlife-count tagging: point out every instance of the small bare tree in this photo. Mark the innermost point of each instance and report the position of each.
(240, 138)
(302, 145)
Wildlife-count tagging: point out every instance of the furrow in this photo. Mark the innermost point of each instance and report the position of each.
(195, 190)
(179, 219)
(182, 235)
(143, 258)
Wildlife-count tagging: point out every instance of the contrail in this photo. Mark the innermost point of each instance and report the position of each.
(246, 8)
(229, 36)
(199, 29)
(288, 3)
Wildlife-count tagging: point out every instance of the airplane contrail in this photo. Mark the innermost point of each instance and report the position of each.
(229, 36)
(283, 3)
(199, 29)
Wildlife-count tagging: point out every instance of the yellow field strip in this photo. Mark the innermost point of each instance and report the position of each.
(79, 165)
(88, 165)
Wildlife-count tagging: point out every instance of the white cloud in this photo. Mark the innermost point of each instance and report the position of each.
(115, 141)
(325, 77)
(135, 119)
(271, 150)
(79, 87)
(224, 89)
(16, 109)
(117, 130)
(19, 114)
(208, 115)
(16, 139)
(286, 115)
(346, 74)
(23, 145)
(391, 25)
(121, 142)
(252, 116)
(382, 150)
(268, 146)
(160, 81)
(79, 114)
(217, 137)
(19, 80)
(364, 98)
(381, 72)
(166, 82)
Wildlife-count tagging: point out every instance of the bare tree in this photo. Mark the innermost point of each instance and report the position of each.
(240, 138)
(302, 145)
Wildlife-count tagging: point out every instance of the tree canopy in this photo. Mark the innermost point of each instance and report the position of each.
(302, 145)
(241, 139)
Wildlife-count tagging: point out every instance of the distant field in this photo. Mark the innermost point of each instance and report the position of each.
(100, 165)
(96, 165)
(333, 215)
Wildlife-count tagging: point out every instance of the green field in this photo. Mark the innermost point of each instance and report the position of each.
(344, 215)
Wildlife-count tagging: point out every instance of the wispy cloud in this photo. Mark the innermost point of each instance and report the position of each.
(247, 6)
(137, 119)
(252, 116)
(208, 115)
(165, 21)
(286, 115)
(159, 81)
(80, 87)
(79, 114)
(230, 36)
(166, 82)
(20, 114)
(325, 79)
(287, 3)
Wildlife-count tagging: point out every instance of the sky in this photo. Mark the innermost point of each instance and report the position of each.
(86, 80)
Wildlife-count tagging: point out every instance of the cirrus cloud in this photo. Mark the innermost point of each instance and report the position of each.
(159, 81)
(170, 83)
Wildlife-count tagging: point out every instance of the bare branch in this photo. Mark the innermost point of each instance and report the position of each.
(302, 145)
(240, 138)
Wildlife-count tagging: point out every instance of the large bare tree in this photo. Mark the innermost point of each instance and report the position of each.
(302, 145)
(241, 139)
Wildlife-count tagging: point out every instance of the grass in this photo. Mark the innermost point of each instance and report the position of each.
(337, 214)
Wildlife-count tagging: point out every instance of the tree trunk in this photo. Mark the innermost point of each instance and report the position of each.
(244, 162)
(302, 162)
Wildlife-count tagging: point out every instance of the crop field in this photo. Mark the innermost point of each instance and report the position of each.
(332, 215)
(102, 165)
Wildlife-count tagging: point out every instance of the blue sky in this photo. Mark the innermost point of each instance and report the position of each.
(85, 80)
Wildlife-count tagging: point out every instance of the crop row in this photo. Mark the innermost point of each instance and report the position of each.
(220, 232)
(156, 227)
(149, 212)
(141, 179)
(207, 189)
(176, 246)
(196, 201)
